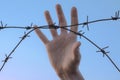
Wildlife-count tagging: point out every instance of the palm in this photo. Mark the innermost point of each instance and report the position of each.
(63, 49)
(61, 52)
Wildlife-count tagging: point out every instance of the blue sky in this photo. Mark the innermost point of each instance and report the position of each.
(30, 60)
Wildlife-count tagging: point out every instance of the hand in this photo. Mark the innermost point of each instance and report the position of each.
(63, 50)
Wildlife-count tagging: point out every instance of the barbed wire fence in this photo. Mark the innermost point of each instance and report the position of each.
(54, 26)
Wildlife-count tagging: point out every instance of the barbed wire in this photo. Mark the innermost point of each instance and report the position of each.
(102, 50)
(54, 26)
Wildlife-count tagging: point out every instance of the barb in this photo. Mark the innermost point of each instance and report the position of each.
(29, 27)
(86, 23)
(81, 33)
(5, 61)
(103, 51)
(116, 17)
(25, 35)
(2, 26)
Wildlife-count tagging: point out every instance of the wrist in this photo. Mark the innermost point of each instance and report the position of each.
(72, 76)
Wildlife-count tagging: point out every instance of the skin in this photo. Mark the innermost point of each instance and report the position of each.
(63, 50)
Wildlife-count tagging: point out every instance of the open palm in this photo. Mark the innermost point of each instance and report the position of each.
(63, 50)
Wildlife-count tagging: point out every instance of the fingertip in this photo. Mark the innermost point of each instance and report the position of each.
(79, 43)
(46, 12)
(74, 9)
(58, 6)
(76, 46)
(47, 16)
(74, 12)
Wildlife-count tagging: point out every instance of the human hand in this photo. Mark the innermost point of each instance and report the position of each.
(63, 50)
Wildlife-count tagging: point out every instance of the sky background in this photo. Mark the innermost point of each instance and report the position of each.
(30, 60)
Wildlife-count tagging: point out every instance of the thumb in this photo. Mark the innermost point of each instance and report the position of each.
(76, 53)
(76, 46)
